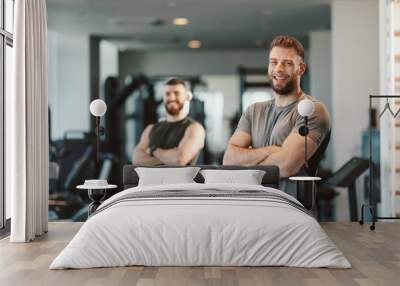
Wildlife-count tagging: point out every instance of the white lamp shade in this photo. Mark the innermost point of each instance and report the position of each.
(306, 107)
(98, 107)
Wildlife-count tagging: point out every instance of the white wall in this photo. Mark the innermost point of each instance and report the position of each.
(320, 67)
(68, 82)
(228, 85)
(108, 59)
(355, 66)
(385, 124)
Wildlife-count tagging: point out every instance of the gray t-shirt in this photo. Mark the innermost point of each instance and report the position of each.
(269, 124)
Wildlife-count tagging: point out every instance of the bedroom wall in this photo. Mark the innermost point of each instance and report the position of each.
(355, 75)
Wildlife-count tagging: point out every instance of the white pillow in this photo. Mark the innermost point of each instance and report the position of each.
(164, 176)
(248, 177)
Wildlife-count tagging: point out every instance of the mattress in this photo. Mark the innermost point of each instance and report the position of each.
(201, 225)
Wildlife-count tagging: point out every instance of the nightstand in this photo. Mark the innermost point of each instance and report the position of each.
(96, 194)
(305, 191)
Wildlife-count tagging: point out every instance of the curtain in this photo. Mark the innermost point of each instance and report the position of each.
(27, 122)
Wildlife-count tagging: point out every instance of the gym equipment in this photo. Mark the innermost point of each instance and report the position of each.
(73, 161)
(346, 177)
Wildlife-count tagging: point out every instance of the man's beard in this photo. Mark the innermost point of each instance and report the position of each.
(173, 109)
(285, 89)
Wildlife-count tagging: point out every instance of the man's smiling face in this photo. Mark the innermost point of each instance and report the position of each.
(174, 98)
(285, 69)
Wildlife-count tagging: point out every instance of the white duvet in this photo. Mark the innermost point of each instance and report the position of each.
(185, 231)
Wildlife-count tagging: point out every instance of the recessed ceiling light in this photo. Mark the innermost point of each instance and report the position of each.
(194, 44)
(181, 21)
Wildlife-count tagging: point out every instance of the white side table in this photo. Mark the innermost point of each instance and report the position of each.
(305, 191)
(96, 194)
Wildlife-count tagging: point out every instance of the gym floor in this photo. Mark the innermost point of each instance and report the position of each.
(374, 255)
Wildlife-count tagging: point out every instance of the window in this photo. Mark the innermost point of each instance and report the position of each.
(6, 44)
(256, 95)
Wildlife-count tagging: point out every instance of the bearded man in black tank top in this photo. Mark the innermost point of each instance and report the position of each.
(176, 140)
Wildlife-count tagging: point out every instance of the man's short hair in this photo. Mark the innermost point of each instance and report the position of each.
(288, 42)
(176, 81)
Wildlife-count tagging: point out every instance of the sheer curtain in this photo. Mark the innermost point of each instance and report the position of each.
(27, 123)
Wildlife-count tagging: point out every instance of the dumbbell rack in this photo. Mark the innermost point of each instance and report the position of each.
(371, 203)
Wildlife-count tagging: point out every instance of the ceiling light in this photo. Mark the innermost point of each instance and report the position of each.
(194, 44)
(181, 21)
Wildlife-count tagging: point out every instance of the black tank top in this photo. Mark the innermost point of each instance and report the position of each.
(168, 135)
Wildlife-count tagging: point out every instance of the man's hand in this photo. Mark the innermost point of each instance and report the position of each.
(290, 158)
(190, 145)
(239, 152)
(150, 150)
(140, 154)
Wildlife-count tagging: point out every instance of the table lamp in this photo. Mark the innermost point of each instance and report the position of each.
(305, 189)
(306, 109)
(98, 108)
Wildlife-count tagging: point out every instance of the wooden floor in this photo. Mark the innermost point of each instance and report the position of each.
(374, 255)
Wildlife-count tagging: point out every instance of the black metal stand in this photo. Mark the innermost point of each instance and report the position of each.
(99, 132)
(96, 196)
(353, 201)
(305, 194)
(371, 203)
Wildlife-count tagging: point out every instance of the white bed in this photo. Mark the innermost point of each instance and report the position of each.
(249, 226)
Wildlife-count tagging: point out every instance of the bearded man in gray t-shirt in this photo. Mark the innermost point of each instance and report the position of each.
(268, 132)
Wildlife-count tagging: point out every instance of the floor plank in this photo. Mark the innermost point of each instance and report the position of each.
(374, 255)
